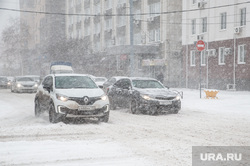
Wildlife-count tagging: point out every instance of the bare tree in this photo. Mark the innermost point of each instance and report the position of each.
(14, 45)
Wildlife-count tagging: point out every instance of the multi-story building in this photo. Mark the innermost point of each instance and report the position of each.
(46, 25)
(156, 35)
(223, 26)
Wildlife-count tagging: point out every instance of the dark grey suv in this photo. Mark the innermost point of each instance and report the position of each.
(146, 95)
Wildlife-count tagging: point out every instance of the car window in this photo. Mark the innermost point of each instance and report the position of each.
(123, 83)
(69, 82)
(48, 81)
(25, 79)
(3, 79)
(146, 84)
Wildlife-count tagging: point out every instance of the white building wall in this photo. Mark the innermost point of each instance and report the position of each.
(213, 12)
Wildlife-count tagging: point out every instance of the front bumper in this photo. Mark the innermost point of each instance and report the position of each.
(76, 113)
(159, 105)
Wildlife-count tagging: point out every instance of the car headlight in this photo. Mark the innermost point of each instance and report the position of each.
(104, 97)
(19, 85)
(61, 97)
(178, 97)
(146, 97)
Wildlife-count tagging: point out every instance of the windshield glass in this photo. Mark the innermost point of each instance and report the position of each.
(69, 82)
(143, 84)
(24, 79)
(3, 79)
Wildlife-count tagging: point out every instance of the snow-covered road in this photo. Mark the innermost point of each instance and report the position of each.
(127, 139)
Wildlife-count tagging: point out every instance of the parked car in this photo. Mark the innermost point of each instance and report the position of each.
(24, 84)
(111, 81)
(145, 95)
(3, 82)
(100, 80)
(73, 96)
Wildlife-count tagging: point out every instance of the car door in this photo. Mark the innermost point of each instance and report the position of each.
(116, 92)
(125, 92)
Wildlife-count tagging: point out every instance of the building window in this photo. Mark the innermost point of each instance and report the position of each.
(192, 58)
(108, 23)
(241, 54)
(154, 35)
(154, 9)
(193, 26)
(221, 56)
(243, 17)
(137, 38)
(223, 17)
(203, 58)
(204, 24)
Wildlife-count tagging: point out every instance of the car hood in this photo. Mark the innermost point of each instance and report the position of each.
(157, 92)
(26, 82)
(80, 92)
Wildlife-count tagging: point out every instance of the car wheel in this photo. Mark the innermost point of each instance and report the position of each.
(37, 109)
(52, 114)
(175, 111)
(153, 111)
(133, 107)
(105, 118)
(11, 89)
(112, 104)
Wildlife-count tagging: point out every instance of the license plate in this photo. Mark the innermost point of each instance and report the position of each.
(166, 102)
(86, 108)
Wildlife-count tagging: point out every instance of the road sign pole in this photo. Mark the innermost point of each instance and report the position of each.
(200, 74)
(200, 45)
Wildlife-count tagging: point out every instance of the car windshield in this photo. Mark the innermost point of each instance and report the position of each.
(3, 79)
(25, 79)
(144, 84)
(69, 82)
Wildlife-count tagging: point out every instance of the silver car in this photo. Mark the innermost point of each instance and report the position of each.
(24, 84)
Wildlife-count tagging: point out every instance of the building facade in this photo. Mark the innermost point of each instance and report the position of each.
(225, 62)
(155, 35)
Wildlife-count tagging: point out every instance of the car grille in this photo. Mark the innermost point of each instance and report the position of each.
(76, 112)
(27, 85)
(80, 101)
(165, 98)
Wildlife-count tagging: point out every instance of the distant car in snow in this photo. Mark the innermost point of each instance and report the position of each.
(142, 94)
(24, 84)
(73, 96)
(100, 80)
(110, 82)
(3, 82)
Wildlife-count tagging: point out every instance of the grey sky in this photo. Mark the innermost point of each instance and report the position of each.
(6, 15)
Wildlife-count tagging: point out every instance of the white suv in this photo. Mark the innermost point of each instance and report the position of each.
(71, 95)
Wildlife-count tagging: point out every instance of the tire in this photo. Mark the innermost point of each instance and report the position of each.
(176, 111)
(112, 104)
(105, 118)
(133, 107)
(53, 116)
(37, 108)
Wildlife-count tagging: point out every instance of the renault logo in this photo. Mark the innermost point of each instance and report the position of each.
(85, 99)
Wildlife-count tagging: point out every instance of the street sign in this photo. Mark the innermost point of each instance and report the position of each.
(200, 45)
